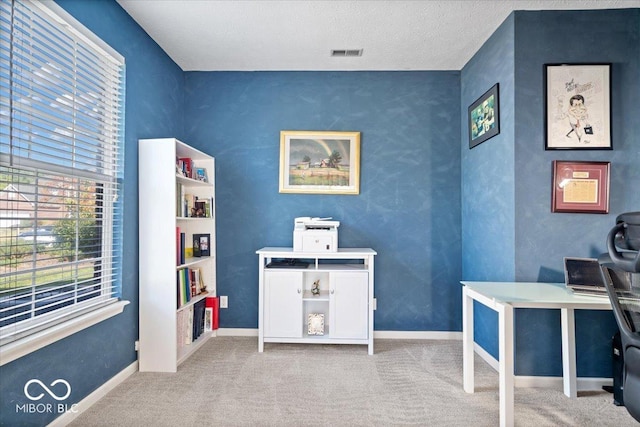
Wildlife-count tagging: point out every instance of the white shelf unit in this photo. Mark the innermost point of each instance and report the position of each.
(161, 349)
(346, 298)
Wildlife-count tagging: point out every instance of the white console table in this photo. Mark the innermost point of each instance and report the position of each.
(344, 303)
(504, 297)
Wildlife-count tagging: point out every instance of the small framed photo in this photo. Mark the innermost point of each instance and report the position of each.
(201, 175)
(201, 245)
(577, 106)
(580, 187)
(484, 117)
(208, 319)
(315, 324)
(319, 162)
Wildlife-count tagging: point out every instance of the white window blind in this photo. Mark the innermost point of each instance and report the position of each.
(61, 166)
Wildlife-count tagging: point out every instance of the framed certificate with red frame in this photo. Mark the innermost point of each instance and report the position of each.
(580, 187)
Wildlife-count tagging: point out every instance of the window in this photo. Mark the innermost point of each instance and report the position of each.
(61, 168)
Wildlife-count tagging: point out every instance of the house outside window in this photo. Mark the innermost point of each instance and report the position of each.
(61, 169)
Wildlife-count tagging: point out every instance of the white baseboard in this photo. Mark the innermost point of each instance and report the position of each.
(401, 335)
(236, 332)
(418, 335)
(92, 398)
(523, 381)
(584, 383)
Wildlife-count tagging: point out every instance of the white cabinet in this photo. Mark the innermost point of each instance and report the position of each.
(283, 304)
(169, 318)
(349, 304)
(323, 301)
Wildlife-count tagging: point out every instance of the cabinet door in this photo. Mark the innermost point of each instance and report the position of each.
(283, 304)
(349, 304)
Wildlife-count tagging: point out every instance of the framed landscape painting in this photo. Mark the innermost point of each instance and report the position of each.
(319, 162)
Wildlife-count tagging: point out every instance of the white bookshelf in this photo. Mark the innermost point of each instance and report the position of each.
(161, 191)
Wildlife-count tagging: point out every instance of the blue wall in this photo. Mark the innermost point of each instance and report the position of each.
(409, 204)
(542, 237)
(488, 221)
(154, 96)
(414, 147)
(539, 239)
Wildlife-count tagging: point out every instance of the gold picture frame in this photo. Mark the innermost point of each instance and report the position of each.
(319, 162)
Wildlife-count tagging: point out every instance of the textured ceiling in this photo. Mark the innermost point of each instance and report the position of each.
(250, 35)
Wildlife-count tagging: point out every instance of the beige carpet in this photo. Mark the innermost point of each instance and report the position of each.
(407, 382)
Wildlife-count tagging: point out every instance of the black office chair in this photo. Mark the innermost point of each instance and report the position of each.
(620, 275)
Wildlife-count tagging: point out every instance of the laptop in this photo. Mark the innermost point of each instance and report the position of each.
(583, 276)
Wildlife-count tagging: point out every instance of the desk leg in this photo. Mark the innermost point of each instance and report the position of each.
(569, 371)
(506, 364)
(467, 342)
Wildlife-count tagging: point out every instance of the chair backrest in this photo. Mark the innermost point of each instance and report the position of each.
(624, 295)
(623, 242)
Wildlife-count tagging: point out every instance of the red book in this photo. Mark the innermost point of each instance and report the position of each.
(187, 166)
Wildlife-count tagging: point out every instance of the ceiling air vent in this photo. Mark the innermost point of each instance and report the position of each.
(346, 52)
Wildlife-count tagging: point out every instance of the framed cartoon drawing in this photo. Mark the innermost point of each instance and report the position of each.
(577, 106)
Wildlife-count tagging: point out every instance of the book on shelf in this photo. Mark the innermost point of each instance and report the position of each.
(189, 284)
(187, 333)
(190, 324)
(189, 205)
(198, 319)
(183, 287)
(183, 237)
(193, 283)
(178, 247)
(180, 191)
(185, 164)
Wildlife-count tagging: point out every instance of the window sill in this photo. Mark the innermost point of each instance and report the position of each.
(26, 345)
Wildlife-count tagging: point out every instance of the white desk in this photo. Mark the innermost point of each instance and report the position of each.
(504, 297)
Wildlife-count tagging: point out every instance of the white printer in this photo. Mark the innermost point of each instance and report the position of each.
(315, 235)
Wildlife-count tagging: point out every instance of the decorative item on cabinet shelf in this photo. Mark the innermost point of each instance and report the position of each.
(315, 289)
(201, 245)
(315, 324)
